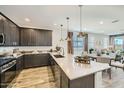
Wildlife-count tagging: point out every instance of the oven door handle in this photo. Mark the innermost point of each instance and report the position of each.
(13, 63)
(3, 39)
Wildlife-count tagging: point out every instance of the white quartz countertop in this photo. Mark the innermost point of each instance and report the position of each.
(75, 70)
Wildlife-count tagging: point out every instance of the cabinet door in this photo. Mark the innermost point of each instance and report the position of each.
(25, 37)
(39, 38)
(48, 38)
(17, 35)
(19, 65)
(40, 60)
(52, 64)
(32, 37)
(57, 76)
(37, 60)
(7, 32)
(1, 24)
(64, 80)
(28, 61)
(44, 59)
(14, 34)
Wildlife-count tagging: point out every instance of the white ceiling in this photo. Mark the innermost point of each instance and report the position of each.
(45, 16)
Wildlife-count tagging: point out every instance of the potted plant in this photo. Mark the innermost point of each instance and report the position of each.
(90, 50)
(107, 53)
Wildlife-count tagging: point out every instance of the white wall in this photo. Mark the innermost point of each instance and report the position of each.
(56, 39)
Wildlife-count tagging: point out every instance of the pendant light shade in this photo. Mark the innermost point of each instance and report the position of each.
(61, 33)
(68, 38)
(81, 34)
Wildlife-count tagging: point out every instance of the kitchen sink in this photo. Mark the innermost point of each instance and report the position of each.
(59, 56)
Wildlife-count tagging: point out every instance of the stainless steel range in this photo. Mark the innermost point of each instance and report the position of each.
(7, 71)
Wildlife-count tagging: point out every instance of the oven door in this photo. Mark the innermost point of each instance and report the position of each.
(2, 39)
(7, 76)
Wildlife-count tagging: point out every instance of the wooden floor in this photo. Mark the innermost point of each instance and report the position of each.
(35, 78)
(42, 78)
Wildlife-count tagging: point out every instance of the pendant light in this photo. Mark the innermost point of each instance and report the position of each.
(81, 34)
(61, 33)
(68, 38)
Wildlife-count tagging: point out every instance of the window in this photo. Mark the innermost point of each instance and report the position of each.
(78, 43)
(118, 43)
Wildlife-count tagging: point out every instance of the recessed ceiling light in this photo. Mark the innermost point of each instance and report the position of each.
(54, 24)
(101, 22)
(27, 20)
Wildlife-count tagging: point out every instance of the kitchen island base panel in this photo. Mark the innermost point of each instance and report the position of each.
(83, 82)
(98, 79)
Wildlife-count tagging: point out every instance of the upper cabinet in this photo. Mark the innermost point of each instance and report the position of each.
(18, 36)
(35, 37)
(10, 31)
(1, 24)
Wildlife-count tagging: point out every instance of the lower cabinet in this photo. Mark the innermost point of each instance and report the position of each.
(60, 78)
(62, 81)
(19, 64)
(52, 65)
(36, 60)
(56, 72)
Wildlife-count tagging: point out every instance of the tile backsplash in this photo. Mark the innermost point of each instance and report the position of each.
(2, 49)
(25, 48)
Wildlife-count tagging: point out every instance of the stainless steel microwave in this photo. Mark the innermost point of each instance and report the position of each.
(2, 39)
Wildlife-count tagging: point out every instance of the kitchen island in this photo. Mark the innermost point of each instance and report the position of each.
(77, 75)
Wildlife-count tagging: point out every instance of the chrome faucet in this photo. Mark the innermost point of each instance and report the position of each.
(62, 51)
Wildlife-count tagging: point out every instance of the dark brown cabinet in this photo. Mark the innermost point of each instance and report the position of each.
(1, 24)
(35, 37)
(11, 33)
(19, 65)
(48, 38)
(7, 33)
(15, 36)
(36, 60)
(10, 30)
(56, 70)
(28, 61)
(52, 64)
(25, 37)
